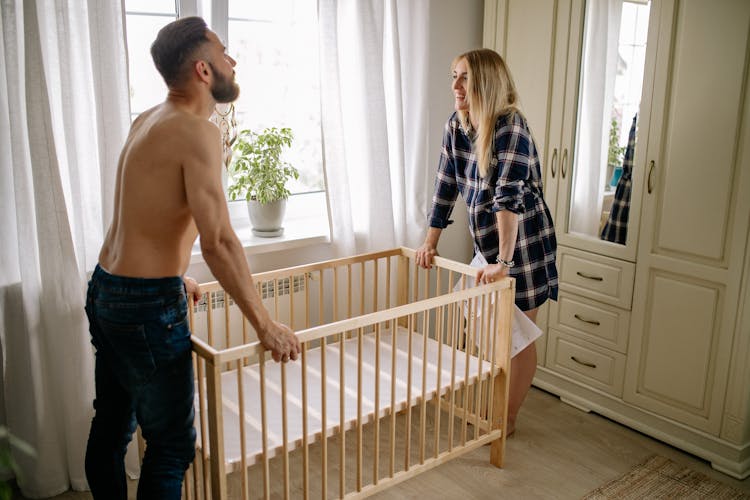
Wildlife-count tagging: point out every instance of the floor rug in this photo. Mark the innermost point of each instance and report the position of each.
(659, 477)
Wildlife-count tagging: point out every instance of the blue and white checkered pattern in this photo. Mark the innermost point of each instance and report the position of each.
(514, 182)
(616, 228)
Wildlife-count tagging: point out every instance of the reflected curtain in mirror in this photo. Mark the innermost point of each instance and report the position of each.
(600, 58)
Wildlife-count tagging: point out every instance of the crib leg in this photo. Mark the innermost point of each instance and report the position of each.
(500, 389)
(216, 431)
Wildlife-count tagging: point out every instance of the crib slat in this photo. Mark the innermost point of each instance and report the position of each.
(423, 404)
(284, 431)
(216, 438)
(349, 291)
(439, 336)
(377, 401)
(467, 348)
(483, 328)
(305, 443)
(203, 424)
(324, 420)
(493, 363)
(375, 286)
(241, 416)
(393, 397)
(361, 288)
(264, 425)
(210, 318)
(227, 338)
(342, 403)
(388, 283)
(323, 405)
(359, 404)
(455, 329)
(410, 357)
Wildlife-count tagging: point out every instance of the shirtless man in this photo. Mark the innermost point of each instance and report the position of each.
(168, 191)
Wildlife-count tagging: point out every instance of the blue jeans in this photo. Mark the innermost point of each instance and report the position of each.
(143, 375)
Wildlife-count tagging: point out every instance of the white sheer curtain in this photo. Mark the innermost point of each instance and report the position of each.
(599, 67)
(374, 57)
(64, 114)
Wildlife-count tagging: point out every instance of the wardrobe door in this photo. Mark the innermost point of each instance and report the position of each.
(694, 225)
(608, 50)
(532, 36)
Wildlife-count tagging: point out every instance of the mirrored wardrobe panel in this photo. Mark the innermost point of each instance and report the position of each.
(599, 183)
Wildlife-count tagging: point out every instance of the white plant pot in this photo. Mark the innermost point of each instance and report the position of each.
(266, 218)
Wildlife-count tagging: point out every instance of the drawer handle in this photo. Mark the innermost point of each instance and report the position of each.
(589, 277)
(590, 322)
(584, 363)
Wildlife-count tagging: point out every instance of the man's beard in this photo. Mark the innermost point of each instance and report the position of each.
(224, 89)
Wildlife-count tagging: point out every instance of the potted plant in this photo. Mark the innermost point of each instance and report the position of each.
(259, 175)
(614, 154)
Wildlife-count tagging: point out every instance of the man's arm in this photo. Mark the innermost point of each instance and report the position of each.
(220, 246)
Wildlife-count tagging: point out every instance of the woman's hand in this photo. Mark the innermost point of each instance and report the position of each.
(425, 253)
(492, 272)
(192, 288)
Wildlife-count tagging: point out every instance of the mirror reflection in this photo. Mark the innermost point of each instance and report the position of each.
(614, 53)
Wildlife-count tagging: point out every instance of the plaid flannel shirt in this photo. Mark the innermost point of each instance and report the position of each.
(616, 228)
(513, 183)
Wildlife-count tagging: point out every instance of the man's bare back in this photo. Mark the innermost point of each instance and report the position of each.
(153, 231)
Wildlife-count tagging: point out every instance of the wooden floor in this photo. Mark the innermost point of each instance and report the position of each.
(557, 452)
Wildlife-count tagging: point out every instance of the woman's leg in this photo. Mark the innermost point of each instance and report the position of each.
(522, 370)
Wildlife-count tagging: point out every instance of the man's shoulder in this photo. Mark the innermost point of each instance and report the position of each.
(184, 130)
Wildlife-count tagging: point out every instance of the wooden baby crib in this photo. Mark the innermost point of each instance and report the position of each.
(401, 369)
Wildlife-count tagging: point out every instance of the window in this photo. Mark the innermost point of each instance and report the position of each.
(631, 64)
(275, 45)
(276, 48)
(144, 19)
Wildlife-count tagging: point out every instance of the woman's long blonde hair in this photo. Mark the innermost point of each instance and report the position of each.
(491, 94)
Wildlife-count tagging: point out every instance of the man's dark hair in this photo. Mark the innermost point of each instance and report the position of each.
(175, 45)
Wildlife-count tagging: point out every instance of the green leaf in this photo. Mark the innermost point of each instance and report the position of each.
(257, 170)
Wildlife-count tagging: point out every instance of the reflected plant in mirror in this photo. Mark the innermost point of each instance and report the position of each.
(614, 154)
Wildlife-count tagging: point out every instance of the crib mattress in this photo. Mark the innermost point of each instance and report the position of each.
(252, 401)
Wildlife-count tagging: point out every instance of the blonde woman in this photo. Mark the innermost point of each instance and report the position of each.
(489, 157)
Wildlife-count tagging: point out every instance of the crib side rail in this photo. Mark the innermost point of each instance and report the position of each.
(317, 332)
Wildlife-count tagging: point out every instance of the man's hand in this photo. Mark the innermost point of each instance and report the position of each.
(425, 253)
(192, 288)
(492, 272)
(281, 341)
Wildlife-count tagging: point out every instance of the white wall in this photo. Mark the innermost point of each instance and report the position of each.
(455, 27)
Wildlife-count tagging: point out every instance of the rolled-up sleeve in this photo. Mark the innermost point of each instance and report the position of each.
(512, 147)
(446, 188)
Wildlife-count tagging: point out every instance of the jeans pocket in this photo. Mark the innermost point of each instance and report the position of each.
(130, 350)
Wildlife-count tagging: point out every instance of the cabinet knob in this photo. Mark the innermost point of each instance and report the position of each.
(564, 163)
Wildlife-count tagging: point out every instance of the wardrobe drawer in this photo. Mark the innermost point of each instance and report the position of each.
(598, 323)
(600, 278)
(594, 366)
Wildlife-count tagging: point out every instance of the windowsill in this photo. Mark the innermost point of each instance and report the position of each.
(305, 223)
